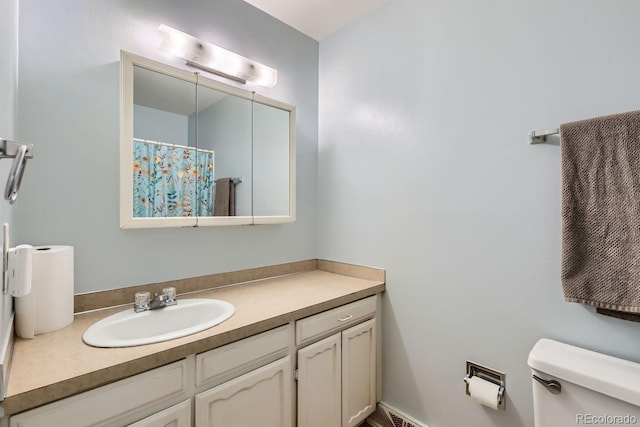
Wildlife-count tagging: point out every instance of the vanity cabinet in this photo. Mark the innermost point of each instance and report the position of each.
(246, 383)
(337, 376)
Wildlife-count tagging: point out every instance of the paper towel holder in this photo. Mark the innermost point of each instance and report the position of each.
(5, 256)
(487, 374)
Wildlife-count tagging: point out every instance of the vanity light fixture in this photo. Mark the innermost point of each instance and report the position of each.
(215, 59)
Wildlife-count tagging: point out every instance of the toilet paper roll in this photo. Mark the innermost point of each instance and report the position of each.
(49, 306)
(484, 392)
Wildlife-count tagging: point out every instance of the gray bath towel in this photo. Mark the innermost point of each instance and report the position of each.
(225, 200)
(601, 213)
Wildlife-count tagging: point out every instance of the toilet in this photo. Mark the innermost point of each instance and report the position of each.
(573, 386)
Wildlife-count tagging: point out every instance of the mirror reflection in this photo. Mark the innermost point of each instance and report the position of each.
(224, 127)
(271, 173)
(165, 166)
(201, 152)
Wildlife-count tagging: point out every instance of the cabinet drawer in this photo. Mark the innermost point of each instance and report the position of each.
(316, 326)
(231, 360)
(97, 407)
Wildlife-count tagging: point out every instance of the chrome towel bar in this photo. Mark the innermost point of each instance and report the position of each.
(540, 136)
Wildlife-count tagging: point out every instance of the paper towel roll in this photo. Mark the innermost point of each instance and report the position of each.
(49, 306)
(484, 392)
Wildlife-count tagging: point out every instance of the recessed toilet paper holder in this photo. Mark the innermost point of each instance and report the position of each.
(487, 374)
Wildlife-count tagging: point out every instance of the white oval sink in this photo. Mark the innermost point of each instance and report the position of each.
(128, 328)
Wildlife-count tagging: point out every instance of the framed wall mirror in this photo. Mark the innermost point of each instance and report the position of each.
(197, 152)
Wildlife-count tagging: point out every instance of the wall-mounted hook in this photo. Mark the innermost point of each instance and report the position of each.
(19, 153)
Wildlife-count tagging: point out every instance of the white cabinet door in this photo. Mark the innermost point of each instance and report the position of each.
(319, 383)
(176, 416)
(261, 397)
(358, 373)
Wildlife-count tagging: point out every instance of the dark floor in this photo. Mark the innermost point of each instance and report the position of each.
(379, 419)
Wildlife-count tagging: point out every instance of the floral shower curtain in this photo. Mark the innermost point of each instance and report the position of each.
(171, 181)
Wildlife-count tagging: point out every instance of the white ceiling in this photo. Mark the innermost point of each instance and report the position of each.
(317, 18)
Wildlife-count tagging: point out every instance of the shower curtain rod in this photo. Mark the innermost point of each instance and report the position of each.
(168, 144)
(236, 180)
(540, 136)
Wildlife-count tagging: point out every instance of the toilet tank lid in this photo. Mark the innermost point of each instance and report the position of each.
(605, 374)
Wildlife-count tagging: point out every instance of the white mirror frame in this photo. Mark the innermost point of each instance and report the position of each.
(127, 220)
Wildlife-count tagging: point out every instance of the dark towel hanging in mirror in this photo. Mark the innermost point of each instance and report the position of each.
(225, 200)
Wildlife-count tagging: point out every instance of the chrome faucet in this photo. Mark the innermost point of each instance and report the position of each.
(143, 302)
(160, 301)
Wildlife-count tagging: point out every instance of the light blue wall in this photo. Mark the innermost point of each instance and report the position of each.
(69, 108)
(8, 96)
(424, 169)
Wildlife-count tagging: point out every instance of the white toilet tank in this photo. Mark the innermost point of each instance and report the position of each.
(596, 389)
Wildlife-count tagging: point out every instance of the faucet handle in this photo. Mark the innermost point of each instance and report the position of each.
(141, 301)
(170, 294)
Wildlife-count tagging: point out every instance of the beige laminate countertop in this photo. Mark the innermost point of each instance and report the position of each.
(58, 364)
